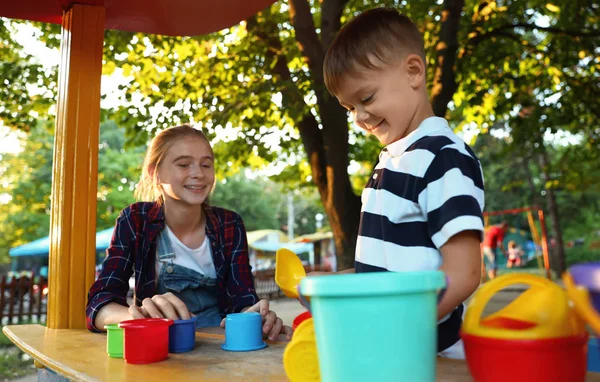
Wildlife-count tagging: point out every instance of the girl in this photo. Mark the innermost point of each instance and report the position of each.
(515, 255)
(190, 259)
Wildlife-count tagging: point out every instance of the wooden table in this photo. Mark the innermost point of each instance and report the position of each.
(81, 355)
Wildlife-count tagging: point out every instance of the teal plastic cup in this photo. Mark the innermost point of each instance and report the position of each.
(376, 326)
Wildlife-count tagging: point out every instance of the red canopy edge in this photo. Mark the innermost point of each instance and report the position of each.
(167, 17)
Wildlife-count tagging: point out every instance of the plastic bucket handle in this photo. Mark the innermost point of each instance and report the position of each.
(472, 320)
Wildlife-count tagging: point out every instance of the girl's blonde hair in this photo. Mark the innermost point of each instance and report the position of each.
(512, 244)
(147, 189)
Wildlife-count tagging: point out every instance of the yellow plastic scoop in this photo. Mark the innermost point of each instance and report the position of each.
(288, 272)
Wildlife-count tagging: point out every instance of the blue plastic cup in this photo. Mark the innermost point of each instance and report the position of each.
(182, 336)
(243, 332)
(376, 326)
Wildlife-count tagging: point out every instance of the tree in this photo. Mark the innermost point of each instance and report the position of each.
(517, 175)
(261, 82)
(119, 170)
(21, 102)
(27, 177)
(262, 203)
(258, 201)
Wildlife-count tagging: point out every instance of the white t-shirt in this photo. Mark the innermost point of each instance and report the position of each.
(199, 259)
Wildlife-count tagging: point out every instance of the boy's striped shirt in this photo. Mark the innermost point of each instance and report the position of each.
(426, 188)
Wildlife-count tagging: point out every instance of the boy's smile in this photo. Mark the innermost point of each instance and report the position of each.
(386, 102)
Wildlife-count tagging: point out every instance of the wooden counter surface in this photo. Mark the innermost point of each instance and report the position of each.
(81, 355)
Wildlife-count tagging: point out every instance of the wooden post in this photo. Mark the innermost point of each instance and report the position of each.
(21, 288)
(39, 300)
(31, 292)
(2, 298)
(11, 300)
(75, 167)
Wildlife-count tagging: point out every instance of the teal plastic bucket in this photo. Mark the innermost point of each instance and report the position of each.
(375, 326)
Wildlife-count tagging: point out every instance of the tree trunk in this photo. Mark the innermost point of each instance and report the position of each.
(326, 145)
(444, 83)
(535, 193)
(557, 262)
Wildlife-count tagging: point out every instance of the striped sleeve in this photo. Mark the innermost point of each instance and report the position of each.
(453, 196)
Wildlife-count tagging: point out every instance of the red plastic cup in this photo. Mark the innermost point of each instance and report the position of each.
(544, 360)
(300, 318)
(146, 340)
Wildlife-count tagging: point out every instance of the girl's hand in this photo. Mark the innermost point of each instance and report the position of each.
(161, 306)
(272, 325)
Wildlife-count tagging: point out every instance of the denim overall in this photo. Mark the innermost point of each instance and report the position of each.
(197, 291)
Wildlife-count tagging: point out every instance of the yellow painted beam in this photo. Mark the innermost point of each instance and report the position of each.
(75, 168)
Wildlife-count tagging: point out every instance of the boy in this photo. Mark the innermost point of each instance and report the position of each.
(422, 207)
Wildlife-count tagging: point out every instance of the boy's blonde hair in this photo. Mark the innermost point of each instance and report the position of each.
(380, 34)
(147, 189)
(512, 244)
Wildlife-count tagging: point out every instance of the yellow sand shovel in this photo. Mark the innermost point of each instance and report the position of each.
(288, 272)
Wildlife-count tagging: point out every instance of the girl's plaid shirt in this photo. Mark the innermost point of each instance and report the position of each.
(133, 247)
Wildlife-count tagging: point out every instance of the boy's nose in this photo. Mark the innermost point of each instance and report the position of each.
(361, 117)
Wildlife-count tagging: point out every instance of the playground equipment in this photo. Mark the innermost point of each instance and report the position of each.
(539, 240)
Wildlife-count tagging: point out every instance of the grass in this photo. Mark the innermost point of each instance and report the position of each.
(4, 341)
(12, 365)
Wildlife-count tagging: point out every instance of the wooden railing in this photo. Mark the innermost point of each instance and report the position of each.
(22, 300)
(264, 282)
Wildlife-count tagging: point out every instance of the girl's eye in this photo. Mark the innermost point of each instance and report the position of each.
(367, 100)
(183, 165)
(207, 165)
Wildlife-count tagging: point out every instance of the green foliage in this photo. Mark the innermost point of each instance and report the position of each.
(582, 254)
(22, 102)
(12, 365)
(529, 68)
(263, 204)
(119, 170)
(259, 202)
(27, 178)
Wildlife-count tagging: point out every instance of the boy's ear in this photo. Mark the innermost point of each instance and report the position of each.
(416, 70)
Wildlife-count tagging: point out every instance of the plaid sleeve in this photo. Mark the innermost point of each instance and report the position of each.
(113, 282)
(240, 284)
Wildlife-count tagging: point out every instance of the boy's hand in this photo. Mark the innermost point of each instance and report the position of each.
(272, 325)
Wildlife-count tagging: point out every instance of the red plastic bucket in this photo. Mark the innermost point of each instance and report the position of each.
(544, 360)
(145, 340)
(301, 318)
